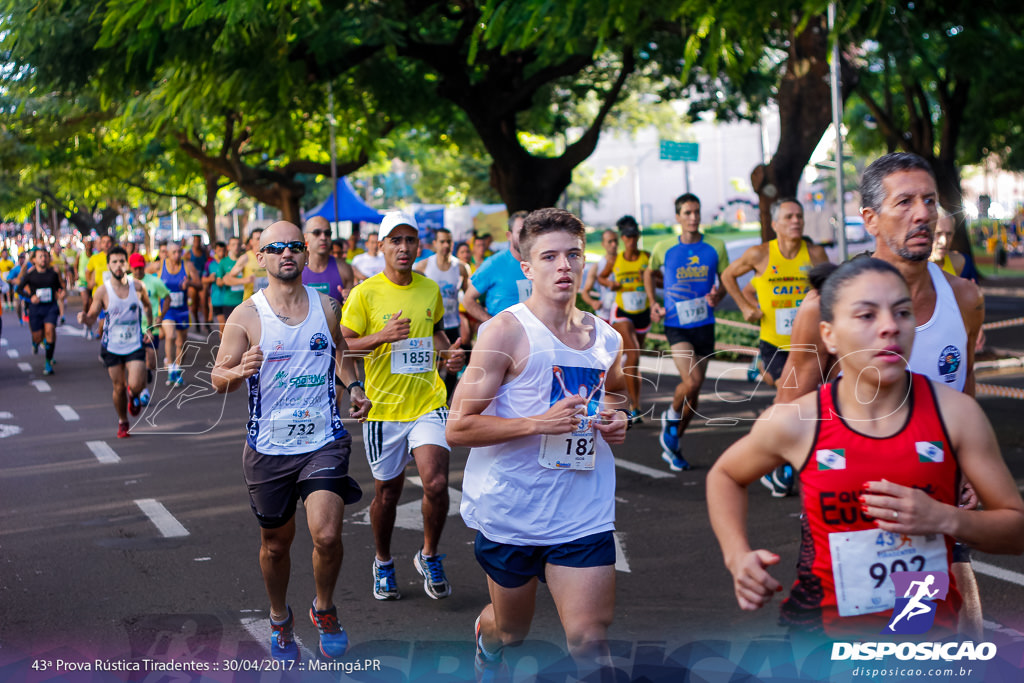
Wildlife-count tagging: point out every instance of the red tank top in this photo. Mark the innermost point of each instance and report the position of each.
(843, 583)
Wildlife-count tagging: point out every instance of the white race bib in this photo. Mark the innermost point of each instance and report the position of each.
(297, 427)
(412, 356)
(863, 560)
(784, 320)
(634, 302)
(237, 288)
(574, 451)
(177, 299)
(45, 295)
(122, 334)
(525, 288)
(692, 311)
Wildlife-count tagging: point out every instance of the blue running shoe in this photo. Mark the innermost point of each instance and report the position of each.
(435, 583)
(144, 397)
(333, 639)
(780, 481)
(385, 584)
(676, 463)
(282, 640)
(669, 437)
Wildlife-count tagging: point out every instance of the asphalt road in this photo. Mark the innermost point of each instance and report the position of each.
(145, 548)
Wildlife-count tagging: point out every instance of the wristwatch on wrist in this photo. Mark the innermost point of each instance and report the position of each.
(355, 384)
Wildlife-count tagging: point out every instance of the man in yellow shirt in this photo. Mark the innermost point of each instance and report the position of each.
(96, 274)
(780, 281)
(396, 318)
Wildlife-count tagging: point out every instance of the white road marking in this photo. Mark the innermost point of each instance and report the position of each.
(202, 559)
(41, 384)
(621, 561)
(998, 572)
(71, 330)
(4, 415)
(410, 515)
(999, 628)
(12, 353)
(9, 430)
(643, 469)
(24, 367)
(165, 522)
(259, 629)
(67, 412)
(3, 342)
(103, 452)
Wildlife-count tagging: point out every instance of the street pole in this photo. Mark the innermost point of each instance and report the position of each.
(334, 159)
(837, 123)
(39, 220)
(174, 218)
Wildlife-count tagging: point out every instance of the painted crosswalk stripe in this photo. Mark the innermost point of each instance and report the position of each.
(103, 452)
(165, 522)
(642, 469)
(12, 353)
(67, 412)
(997, 572)
(24, 367)
(41, 384)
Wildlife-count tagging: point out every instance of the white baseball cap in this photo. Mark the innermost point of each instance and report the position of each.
(393, 219)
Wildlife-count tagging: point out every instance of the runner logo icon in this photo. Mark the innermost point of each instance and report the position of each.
(916, 595)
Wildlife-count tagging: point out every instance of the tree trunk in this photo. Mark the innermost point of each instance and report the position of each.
(805, 112)
(527, 182)
(212, 181)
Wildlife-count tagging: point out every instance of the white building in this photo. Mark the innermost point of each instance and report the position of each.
(646, 186)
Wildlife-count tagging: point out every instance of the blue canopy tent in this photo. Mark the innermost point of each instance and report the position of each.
(350, 206)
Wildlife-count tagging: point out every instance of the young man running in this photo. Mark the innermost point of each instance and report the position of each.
(124, 342)
(396, 318)
(323, 272)
(370, 262)
(539, 484)
(44, 288)
(689, 266)
(284, 343)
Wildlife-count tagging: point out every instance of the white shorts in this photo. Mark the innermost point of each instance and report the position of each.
(389, 445)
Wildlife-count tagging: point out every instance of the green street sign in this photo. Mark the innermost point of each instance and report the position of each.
(679, 151)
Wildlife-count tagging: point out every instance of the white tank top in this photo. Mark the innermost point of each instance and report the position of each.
(507, 494)
(940, 345)
(606, 294)
(122, 332)
(450, 282)
(292, 405)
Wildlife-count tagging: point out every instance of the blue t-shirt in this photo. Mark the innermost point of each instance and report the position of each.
(500, 279)
(690, 271)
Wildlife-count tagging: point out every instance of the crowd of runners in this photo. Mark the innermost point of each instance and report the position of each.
(439, 344)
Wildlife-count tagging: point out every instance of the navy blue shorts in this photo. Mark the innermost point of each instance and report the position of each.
(701, 338)
(511, 566)
(42, 314)
(179, 316)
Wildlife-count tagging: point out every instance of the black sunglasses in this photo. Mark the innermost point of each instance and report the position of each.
(319, 233)
(279, 247)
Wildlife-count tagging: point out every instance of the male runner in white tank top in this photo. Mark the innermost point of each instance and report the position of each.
(123, 348)
(539, 484)
(900, 208)
(285, 343)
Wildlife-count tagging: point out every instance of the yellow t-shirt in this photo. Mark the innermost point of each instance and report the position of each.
(253, 268)
(6, 266)
(947, 265)
(401, 378)
(98, 264)
(780, 289)
(631, 297)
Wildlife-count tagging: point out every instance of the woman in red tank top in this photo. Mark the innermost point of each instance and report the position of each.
(879, 469)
